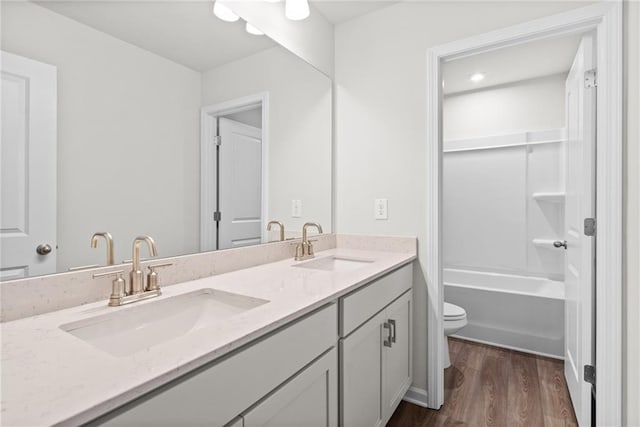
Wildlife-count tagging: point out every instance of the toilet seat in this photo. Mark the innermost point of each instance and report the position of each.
(453, 312)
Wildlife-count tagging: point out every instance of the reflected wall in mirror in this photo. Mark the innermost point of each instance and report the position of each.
(123, 95)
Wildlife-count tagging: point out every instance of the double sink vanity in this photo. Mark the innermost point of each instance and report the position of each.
(327, 340)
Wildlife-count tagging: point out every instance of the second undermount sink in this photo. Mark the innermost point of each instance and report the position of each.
(131, 330)
(335, 264)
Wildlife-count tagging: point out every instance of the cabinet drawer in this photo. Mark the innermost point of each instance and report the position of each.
(357, 307)
(218, 392)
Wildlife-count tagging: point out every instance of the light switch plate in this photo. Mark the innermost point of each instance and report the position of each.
(296, 208)
(380, 209)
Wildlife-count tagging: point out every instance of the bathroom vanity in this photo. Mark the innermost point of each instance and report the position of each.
(327, 340)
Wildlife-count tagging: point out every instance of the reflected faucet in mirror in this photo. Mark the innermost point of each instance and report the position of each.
(278, 223)
(304, 250)
(108, 240)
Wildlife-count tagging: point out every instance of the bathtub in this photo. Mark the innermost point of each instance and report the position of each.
(517, 312)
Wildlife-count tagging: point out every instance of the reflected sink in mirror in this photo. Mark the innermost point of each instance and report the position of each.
(129, 331)
(335, 264)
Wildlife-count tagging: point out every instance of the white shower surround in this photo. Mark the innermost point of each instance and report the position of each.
(516, 312)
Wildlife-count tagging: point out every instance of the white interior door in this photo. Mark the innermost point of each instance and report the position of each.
(28, 160)
(240, 185)
(580, 204)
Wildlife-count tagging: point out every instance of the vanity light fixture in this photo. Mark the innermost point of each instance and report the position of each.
(253, 30)
(224, 13)
(296, 10)
(477, 77)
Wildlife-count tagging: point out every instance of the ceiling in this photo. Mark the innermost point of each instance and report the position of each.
(185, 32)
(338, 12)
(512, 64)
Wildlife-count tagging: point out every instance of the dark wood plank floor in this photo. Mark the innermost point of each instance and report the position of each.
(491, 386)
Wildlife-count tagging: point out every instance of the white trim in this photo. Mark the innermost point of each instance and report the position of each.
(417, 396)
(606, 19)
(208, 165)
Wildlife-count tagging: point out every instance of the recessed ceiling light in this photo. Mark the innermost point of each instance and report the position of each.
(476, 77)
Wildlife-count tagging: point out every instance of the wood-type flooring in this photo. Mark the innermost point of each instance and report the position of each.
(491, 386)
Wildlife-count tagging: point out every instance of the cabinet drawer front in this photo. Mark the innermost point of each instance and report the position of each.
(309, 399)
(357, 307)
(216, 393)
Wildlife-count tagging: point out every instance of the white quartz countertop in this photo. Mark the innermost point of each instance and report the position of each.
(52, 377)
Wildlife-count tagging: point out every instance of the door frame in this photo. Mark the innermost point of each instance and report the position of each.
(208, 168)
(606, 19)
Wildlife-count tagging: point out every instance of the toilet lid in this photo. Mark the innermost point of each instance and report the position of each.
(452, 311)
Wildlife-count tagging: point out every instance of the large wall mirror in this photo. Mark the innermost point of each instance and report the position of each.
(147, 118)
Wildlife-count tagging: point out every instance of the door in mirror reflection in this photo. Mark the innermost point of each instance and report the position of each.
(28, 157)
(239, 184)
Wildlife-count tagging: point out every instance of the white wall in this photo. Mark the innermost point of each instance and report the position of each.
(490, 216)
(632, 220)
(128, 136)
(251, 117)
(381, 108)
(299, 128)
(535, 104)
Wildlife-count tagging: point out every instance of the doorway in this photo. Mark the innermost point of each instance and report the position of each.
(605, 21)
(234, 173)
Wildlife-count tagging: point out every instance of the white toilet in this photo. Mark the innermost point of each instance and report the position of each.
(455, 318)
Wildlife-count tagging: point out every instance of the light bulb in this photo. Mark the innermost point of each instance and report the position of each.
(476, 77)
(253, 30)
(296, 10)
(224, 13)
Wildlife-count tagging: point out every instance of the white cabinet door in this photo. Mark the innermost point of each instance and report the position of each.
(396, 360)
(361, 355)
(309, 399)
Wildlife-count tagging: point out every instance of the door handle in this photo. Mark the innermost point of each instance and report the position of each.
(560, 244)
(393, 330)
(43, 249)
(387, 342)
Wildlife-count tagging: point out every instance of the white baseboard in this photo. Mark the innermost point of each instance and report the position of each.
(417, 396)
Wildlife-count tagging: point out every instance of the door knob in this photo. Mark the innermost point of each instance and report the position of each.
(560, 244)
(44, 249)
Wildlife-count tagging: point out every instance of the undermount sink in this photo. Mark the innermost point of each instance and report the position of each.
(335, 264)
(128, 331)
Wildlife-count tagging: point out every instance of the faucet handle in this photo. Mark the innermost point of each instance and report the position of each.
(152, 277)
(117, 288)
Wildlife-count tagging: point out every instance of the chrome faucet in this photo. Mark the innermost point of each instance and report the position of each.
(108, 239)
(305, 249)
(278, 223)
(137, 276)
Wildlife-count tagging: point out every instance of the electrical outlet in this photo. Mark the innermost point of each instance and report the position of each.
(380, 209)
(296, 208)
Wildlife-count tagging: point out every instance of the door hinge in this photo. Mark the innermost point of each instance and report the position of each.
(590, 374)
(589, 226)
(590, 79)
(217, 140)
(217, 216)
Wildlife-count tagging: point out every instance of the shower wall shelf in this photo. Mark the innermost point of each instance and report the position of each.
(556, 197)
